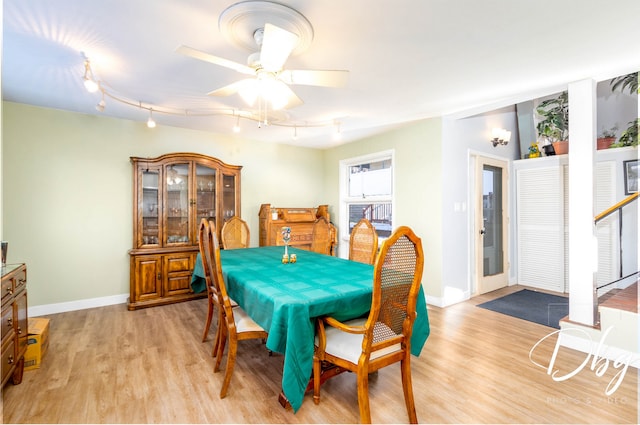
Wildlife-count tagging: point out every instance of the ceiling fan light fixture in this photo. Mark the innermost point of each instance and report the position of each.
(265, 88)
(274, 92)
(249, 91)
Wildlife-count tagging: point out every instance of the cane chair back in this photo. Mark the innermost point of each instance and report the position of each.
(384, 337)
(363, 242)
(321, 237)
(236, 324)
(235, 233)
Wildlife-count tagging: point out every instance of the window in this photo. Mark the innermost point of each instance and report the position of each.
(367, 192)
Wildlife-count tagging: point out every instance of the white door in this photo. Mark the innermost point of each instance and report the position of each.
(491, 229)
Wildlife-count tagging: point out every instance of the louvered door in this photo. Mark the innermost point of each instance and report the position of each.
(541, 227)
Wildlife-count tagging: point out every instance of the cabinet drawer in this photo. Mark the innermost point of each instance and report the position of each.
(7, 323)
(7, 289)
(176, 263)
(8, 358)
(20, 280)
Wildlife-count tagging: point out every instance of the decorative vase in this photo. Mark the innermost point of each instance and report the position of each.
(561, 147)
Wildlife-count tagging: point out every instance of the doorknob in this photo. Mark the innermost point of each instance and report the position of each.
(482, 231)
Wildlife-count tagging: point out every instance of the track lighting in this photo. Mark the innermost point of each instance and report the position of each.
(236, 128)
(100, 106)
(89, 82)
(260, 116)
(338, 134)
(150, 122)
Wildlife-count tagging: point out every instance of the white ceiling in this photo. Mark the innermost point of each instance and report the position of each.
(408, 60)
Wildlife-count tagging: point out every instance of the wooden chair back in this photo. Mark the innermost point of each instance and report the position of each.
(211, 260)
(206, 255)
(363, 242)
(235, 233)
(321, 237)
(204, 244)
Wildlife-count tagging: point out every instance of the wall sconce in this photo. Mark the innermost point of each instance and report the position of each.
(500, 136)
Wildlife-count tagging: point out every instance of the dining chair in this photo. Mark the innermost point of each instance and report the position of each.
(212, 293)
(384, 337)
(321, 236)
(363, 242)
(235, 233)
(236, 325)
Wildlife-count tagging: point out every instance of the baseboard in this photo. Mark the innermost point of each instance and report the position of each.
(451, 296)
(46, 309)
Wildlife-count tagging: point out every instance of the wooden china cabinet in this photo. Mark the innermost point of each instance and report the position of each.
(171, 194)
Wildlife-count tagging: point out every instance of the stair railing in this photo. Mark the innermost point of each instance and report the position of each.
(606, 213)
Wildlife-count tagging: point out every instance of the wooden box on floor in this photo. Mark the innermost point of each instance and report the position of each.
(38, 342)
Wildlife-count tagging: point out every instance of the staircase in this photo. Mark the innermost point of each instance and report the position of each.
(615, 337)
(620, 312)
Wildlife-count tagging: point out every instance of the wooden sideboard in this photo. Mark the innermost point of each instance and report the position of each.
(14, 321)
(300, 220)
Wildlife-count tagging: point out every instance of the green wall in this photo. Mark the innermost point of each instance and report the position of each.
(417, 184)
(67, 192)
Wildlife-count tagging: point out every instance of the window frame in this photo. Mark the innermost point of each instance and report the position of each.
(346, 199)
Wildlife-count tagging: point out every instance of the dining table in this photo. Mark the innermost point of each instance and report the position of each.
(287, 298)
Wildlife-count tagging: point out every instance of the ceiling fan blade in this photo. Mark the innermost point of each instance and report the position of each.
(197, 54)
(277, 45)
(232, 88)
(292, 99)
(322, 78)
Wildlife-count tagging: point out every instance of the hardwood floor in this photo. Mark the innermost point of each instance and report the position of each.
(111, 365)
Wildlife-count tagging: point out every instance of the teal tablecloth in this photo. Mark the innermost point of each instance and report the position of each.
(285, 299)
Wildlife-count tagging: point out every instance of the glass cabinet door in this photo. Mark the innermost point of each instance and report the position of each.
(205, 194)
(150, 202)
(177, 203)
(229, 204)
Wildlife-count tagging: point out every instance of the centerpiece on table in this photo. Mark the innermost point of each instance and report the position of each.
(286, 238)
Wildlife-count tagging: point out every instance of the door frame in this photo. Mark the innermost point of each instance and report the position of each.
(477, 159)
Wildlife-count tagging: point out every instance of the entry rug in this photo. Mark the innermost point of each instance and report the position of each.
(537, 307)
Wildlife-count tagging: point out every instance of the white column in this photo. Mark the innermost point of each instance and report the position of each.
(582, 239)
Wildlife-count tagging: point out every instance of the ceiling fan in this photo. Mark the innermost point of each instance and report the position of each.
(270, 80)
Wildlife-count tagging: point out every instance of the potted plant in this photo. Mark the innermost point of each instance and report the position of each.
(629, 137)
(625, 81)
(554, 122)
(607, 137)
